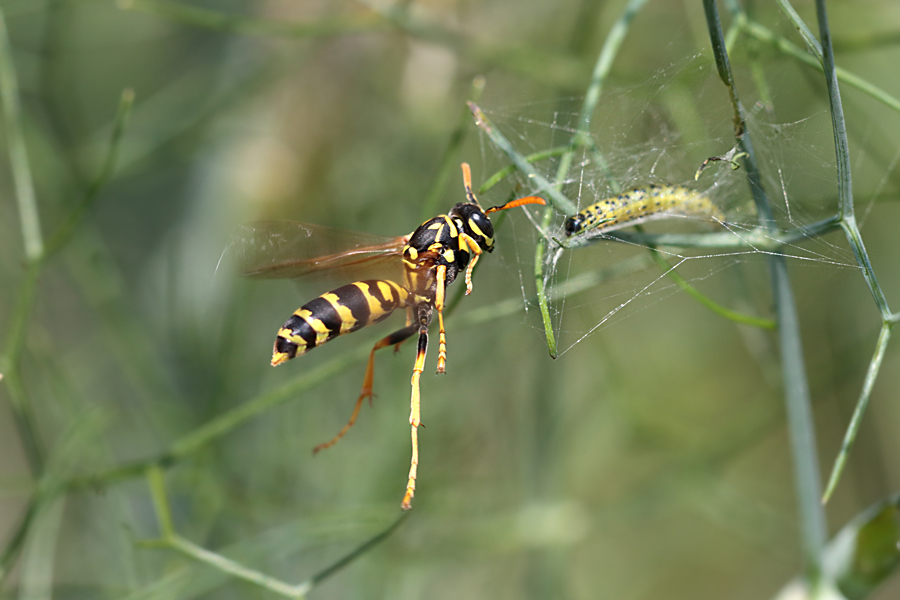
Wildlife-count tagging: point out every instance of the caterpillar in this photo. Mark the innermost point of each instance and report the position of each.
(639, 206)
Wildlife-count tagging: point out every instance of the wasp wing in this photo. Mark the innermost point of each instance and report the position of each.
(288, 249)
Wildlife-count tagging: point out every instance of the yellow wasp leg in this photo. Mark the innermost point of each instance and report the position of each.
(441, 280)
(476, 251)
(394, 339)
(415, 418)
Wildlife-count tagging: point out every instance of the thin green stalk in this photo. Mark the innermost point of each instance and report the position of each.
(37, 577)
(15, 343)
(729, 314)
(221, 425)
(510, 169)
(64, 232)
(859, 411)
(156, 481)
(812, 44)
(26, 425)
(554, 196)
(758, 239)
(18, 154)
(170, 539)
(854, 237)
(581, 139)
(800, 422)
(235, 569)
(540, 250)
(839, 127)
(9, 366)
(20, 534)
(604, 63)
(34, 251)
(866, 41)
(448, 164)
(228, 421)
(557, 199)
(356, 553)
(765, 34)
(825, 54)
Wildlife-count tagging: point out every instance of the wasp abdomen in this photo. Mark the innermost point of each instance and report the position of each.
(335, 313)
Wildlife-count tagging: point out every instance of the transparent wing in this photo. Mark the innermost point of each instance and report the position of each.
(288, 249)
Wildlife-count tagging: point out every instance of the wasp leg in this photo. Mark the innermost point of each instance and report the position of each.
(476, 251)
(441, 281)
(415, 418)
(394, 339)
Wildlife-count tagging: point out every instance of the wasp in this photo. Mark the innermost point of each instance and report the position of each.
(431, 258)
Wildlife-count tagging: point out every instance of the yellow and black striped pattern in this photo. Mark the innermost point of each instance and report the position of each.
(641, 205)
(335, 313)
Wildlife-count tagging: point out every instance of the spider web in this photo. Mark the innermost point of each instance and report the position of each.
(661, 132)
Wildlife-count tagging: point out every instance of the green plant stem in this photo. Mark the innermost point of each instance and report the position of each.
(169, 538)
(107, 167)
(854, 237)
(824, 54)
(21, 316)
(540, 283)
(758, 239)
(17, 540)
(34, 249)
(554, 196)
(448, 164)
(863, 402)
(812, 44)
(766, 35)
(29, 216)
(602, 67)
(15, 344)
(356, 553)
(581, 139)
(729, 314)
(800, 422)
(839, 127)
(510, 169)
(223, 424)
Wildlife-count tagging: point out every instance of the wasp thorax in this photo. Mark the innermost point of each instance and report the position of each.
(473, 221)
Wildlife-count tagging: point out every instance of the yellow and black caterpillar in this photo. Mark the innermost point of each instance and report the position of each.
(641, 205)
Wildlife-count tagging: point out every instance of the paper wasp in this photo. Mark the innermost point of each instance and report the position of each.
(431, 257)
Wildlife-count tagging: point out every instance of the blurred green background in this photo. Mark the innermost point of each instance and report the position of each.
(650, 460)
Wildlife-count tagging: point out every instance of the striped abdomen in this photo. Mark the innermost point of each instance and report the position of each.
(335, 313)
(641, 205)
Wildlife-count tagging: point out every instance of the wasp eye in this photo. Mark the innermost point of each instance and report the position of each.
(482, 223)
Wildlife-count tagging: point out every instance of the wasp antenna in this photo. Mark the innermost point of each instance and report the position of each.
(518, 202)
(467, 183)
